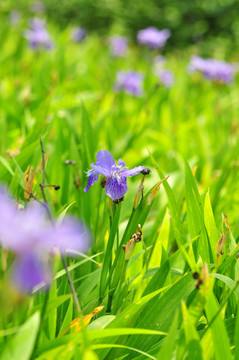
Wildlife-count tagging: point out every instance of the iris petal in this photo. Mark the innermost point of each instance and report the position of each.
(92, 179)
(100, 170)
(116, 188)
(131, 172)
(30, 271)
(105, 159)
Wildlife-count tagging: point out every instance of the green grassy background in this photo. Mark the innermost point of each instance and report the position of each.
(156, 310)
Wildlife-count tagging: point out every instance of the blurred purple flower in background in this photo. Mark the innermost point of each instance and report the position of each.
(152, 37)
(130, 82)
(78, 34)
(38, 35)
(38, 7)
(116, 175)
(118, 45)
(28, 234)
(166, 77)
(14, 17)
(159, 61)
(213, 69)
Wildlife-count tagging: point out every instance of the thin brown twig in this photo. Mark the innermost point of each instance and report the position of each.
(46, 206)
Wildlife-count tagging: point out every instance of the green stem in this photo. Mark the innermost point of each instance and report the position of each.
(112, 291)
(43, 311)
(97, 215)
(107, 264)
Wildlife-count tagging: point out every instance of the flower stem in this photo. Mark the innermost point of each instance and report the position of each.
(43, 185)
(72, 287)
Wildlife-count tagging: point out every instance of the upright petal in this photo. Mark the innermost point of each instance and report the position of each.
(116, 188)
(105, 159)
(121, 163)
(93, 177)
(29, 271)
(131, 172)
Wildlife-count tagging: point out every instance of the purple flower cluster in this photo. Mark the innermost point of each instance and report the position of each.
(116, 175)
(28, 234)
(118, 45)
(166, 77)
(130, 82)
(212, 69)
(38, 35)
(78, 34)
(153, 38)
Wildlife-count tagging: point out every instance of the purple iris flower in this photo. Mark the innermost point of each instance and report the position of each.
(38, 35)
(130, 82)
(153, 38)
(116, 175)
(213, 69)
(118, 45)
(165, 77)
(78, 34)
(28, 234)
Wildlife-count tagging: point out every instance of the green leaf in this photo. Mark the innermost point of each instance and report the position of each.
(195, 216)
(178, 228)
(68, 317)
(21, 345)
(219, 334)
(211, 227)
(167, 350)
(161, 241)
(229, 282)
(6, 165)
(107, 258)
(52, 317)
(159, 312)
(191, 335)
(53, 304)
(236, 336)
(138, 216)
(101, 322)
(95, 335)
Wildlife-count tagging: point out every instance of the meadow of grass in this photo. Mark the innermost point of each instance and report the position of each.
(176, 296)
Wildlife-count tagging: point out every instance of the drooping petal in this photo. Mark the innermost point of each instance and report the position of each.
(105, 159)
(93, 177)
(71, 234)
(20, 230)
(27, 229)
(116, 188)
(8, 215)
(29, 271)
(131, 172)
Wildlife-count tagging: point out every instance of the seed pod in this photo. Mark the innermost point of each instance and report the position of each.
(28, 183)
(146, 171)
